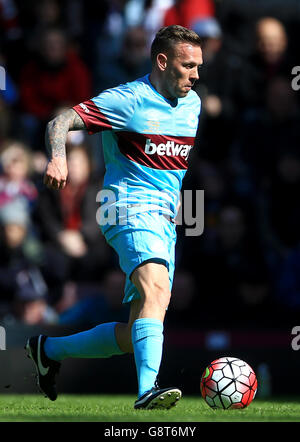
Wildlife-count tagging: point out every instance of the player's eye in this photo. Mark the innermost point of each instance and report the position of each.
(189, 66)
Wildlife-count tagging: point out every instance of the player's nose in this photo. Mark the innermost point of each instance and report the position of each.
(194, 75)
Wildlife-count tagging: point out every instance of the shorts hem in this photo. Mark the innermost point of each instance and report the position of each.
(154, 259)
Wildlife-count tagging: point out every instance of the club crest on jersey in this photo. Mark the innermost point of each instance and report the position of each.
(192, 120)
(153, 126)
(170, 148)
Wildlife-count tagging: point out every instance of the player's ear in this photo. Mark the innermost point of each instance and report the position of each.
(161, 61)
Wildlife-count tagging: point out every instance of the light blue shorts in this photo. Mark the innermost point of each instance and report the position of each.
(147, 236)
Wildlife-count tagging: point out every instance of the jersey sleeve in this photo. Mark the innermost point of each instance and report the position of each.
(112, 109)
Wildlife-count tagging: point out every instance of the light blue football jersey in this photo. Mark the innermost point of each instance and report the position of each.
(146, 140)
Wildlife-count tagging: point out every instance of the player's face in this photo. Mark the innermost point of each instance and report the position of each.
(181, 70)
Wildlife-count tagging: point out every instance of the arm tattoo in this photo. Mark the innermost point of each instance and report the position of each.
(57, 130)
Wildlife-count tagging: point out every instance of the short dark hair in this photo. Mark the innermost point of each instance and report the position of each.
(167, 37)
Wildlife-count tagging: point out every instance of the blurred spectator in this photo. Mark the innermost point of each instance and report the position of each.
(67, 221)
(210, 32)
(238, 259)
(253, 304)
(33, 310)
(132, 62)
(270, 58)
(15, 179)
(11, 35)
(15, 221)
(48, 13)
(182, 304)
(9, 94)
(9, 20)
(23, 288)
(152, 19)
(187, 12)
(8, 89)
(223, 261)
(86, 22)
(98, 303)
(8, 98)
(109, 40)
(287, 287)
(216, 186)
(213, 180)
(217, 79)
(45, 14)
(239, 17)
(271, 41)
(56, 77)
(263, 135)
(150, 15)
(281, 210)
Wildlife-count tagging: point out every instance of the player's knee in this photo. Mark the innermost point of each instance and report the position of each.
(164, 298)
(158, 296)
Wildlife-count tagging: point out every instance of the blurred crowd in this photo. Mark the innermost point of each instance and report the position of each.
(244, 270)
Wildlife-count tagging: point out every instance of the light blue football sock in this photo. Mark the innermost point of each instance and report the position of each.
(98, 342)
(147, 341)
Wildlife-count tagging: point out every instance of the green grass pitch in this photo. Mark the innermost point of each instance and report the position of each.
(110, 408)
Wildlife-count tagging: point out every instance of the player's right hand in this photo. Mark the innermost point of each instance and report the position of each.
(56, 173)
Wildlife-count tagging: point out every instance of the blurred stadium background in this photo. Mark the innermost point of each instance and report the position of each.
(237, 286)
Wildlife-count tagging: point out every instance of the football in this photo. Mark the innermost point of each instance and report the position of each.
(228, 383)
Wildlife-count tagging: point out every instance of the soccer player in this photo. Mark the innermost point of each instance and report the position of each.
(149, 126)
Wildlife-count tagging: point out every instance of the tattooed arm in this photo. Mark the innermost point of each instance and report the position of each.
(55, 138)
